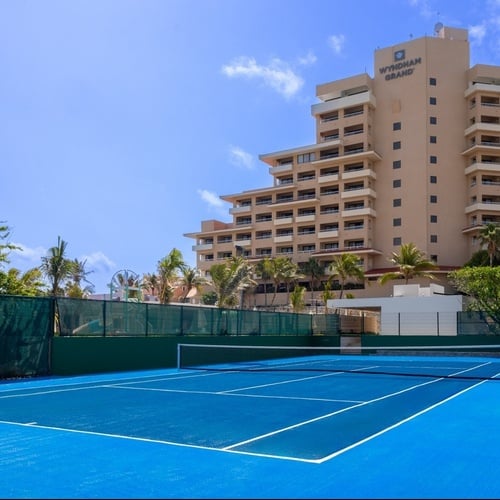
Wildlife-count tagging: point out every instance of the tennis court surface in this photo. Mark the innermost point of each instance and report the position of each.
(260, 423)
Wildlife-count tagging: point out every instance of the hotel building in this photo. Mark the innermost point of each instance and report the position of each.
(411, 154)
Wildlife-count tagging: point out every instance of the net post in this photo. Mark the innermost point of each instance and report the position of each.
(179, 356)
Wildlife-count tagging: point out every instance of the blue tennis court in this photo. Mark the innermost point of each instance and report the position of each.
(430, 432)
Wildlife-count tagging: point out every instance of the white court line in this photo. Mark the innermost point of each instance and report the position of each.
(157, 441)
(82, 383)
(290, 381)
(279, 457)
(211, 393)
(81, 386)
(397, 424)
(328, 415)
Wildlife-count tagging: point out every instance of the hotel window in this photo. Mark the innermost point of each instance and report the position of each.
(433, 120)
(434, 219)
(306, 158)
(434, 258)
(396, 164)
(396, 183)
(396, 241)
(433, 159)
(433, 139)
(396, 145)
(432, 100)
(396, 126)
(396, 202)
(433, 198)
(396, 222)
(432, 81)
(433, 179)
(434, 238)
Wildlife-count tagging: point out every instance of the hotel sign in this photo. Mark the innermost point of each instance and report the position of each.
(401, 66)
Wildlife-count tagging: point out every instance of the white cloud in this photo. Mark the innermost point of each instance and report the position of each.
(423, 7)
(211, 198)
(31, 256)
(240, 158)
(477, 33)
(308, 59)
(98, 260)
(336, 42)
(277, 74)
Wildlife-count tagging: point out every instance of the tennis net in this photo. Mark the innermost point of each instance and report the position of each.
(478, 362)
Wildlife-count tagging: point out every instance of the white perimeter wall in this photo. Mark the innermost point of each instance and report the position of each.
(416, 315)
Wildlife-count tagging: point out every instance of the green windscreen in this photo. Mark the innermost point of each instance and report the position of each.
(25, 331)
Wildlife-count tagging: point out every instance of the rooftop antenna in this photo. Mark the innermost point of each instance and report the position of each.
(439, 25)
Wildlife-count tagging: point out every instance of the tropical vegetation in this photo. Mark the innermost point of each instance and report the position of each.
(410, 263)
(482, 287)
(489, 239)
(345, 267)
(60, 275)
(230, 279)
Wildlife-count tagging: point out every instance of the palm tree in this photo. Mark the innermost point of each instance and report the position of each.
(297, 298)
(263, 270)
(411, 263)
(290, 275)
(281, 268)
(230, 278)
(489, 237)
(5, 248)
(56, 267)
(151, 283)
(327, 295)
(168, 268)
(190, 279)
(345, 266)
(313, 269)
(78, 276)
(29, 283)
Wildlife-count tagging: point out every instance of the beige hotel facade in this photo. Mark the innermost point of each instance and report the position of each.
(411, 154)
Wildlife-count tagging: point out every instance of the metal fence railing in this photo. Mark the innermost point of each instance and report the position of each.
(108, 318)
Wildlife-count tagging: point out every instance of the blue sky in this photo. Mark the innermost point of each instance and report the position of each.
(123, 121)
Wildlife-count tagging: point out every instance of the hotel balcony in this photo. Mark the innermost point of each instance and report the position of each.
(356, 193)
(484, 207)
(483, 167)
(358, 212)
(241, 209)
(305, 218)
(328, 234)
(283, 239)
(201, 247)
(283, 220)
(288, 167)
(344, 102)
(328, 178)
(243, 243)
(483, 127)
(361, 173)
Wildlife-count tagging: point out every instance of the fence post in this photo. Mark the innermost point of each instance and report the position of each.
(103, 318)
(181, 320)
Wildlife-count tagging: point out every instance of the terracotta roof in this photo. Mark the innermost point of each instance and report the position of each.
(383, 270)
